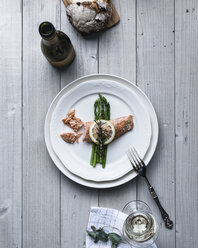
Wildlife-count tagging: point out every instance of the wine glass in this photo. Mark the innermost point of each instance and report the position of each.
(140, 228)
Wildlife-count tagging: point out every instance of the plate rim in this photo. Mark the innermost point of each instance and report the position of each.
(63, 169)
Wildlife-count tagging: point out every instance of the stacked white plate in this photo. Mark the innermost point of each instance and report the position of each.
(125, 98)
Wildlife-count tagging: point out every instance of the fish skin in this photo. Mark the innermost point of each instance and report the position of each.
(122, 125)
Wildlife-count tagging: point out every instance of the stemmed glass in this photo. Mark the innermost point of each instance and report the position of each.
(140, 228)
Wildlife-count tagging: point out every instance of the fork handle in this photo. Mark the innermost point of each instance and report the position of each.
(165, 216)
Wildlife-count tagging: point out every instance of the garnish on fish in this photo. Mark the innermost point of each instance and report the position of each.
(122, 125)
(102, 132)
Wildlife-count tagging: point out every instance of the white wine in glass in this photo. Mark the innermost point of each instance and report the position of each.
(140, 227)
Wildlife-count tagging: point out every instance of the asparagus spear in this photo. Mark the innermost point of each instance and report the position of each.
(96, 109)
(92, 154)
(95, 157)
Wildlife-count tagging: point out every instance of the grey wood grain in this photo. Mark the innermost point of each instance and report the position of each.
(117, 55)
(40, 207)
(186, 74)
(10, 124)
(155, 75)
(76, 200)
(41, 179)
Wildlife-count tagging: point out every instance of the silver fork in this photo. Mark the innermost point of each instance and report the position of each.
(139, 166)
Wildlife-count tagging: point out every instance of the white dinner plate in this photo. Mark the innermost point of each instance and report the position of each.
(131, 174)
(123, 102)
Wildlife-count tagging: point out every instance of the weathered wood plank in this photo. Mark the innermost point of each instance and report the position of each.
(117, 55)
(41, 179)
(117, 46)
(186, 75)
(155, 75)
(10, 124)
(76, 200)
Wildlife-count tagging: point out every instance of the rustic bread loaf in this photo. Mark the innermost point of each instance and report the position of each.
(89, 16)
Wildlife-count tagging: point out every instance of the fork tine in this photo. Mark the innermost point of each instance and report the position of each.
(141, 161)
(137, 159)
(131, 160)
(137, 162)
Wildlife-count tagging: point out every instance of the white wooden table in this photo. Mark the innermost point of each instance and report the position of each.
(155, 46)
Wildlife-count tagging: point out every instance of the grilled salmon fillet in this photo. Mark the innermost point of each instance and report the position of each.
(122, 125)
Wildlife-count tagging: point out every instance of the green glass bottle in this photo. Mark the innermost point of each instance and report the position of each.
(56, 45)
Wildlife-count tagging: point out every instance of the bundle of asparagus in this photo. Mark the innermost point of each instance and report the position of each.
(101, 112)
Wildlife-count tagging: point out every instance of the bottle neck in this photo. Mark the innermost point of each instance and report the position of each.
(48, 33)
(51, 41)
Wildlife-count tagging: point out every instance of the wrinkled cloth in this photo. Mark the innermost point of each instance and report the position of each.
(111, 219)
